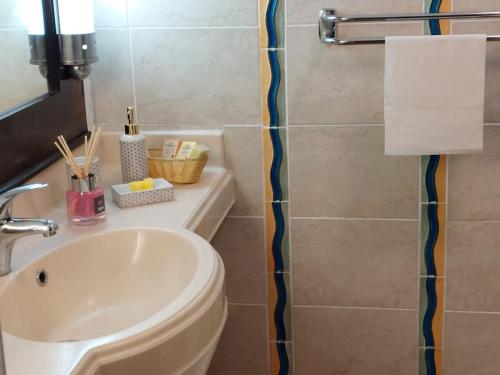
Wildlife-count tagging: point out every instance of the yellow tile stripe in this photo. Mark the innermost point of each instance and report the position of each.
(262, 23)
(445, 24)
(439, 248)
(437, 321)
(441, 173)
(265, 84)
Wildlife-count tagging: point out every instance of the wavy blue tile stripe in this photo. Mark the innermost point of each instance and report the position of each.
(272, 34)
(278, 237)
(432, 215)
(430, 287)
(277, 245)
(433, 220)
(279, 310)
(430, 361)
(276, 164)
(432, 236)
(434, 24)
(283, 357)
(272, 95)
(430, 178)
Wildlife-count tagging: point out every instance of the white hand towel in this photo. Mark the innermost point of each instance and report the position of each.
(434, 94)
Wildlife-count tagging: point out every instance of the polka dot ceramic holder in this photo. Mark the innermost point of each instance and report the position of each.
(124, 197)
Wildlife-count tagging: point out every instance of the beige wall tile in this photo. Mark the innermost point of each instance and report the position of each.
(492, 90)
(337, 84)
(355, 263)
(471, 344)
(473, 261)
(306, 11)
(110, 13)
(111, 78)
(197, 78)
(240, 243)
(193, 12)
(243, 346)
(474, 5)
(474, 181)
(341, 171)
(355, 341)
(243, 150)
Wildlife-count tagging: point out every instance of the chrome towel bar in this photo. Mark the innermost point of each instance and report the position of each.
(329, 20)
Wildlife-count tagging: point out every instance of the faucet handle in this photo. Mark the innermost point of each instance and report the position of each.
(7, 197)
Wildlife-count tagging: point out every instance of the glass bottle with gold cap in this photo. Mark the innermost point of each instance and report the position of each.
(133, 151)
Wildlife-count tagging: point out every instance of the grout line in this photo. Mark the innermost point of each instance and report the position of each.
(419, 262)
(475, 221)
(354, 308)
(349, 218)
(445, 283)
(132, 65)
(287, 134)
(472, 312)
(242, 126)
(247, 304)
(306, 126)
(244, 217)
(112, 28)
(301, 25)
(206, 27)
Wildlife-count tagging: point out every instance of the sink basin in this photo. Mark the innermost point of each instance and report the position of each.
(123, 289)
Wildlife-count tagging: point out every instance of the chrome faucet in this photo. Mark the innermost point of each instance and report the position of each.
(12, 228)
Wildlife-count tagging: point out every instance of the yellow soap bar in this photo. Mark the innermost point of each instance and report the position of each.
(135, 185)
(199, 151)
(185, 150)
(148, 183)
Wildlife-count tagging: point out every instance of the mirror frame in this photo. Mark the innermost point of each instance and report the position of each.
(27, 132)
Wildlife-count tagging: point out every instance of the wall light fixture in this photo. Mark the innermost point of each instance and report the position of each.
(76, 33)
(77, 37)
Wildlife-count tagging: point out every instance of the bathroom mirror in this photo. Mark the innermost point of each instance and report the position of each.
(21, 71)
(35, 110)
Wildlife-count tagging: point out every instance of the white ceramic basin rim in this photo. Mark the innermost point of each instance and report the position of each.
(105, 283)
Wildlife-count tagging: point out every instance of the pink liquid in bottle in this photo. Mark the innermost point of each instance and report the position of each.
(85, 207)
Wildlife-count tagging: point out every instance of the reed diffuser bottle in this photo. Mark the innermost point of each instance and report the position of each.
(84, 199)
(133, 151)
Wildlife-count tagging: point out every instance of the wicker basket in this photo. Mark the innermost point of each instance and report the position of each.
(175, 171)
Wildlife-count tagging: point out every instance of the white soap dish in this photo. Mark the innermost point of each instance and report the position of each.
(124, 197)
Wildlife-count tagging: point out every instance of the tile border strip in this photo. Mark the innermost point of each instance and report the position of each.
(433, 224)
(276, 185)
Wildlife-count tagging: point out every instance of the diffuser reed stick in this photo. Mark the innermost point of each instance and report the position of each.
(90, 149)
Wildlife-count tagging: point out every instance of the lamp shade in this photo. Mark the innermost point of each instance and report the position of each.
(31, 14)
(76, 17)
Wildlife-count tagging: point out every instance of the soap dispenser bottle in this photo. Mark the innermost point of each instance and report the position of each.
(133, 151)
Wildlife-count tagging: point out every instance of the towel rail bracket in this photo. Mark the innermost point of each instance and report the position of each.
(329, 24)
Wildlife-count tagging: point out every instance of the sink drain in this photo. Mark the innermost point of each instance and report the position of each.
(42, 278)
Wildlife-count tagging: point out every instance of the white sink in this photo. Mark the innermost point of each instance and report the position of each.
(126, 301)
